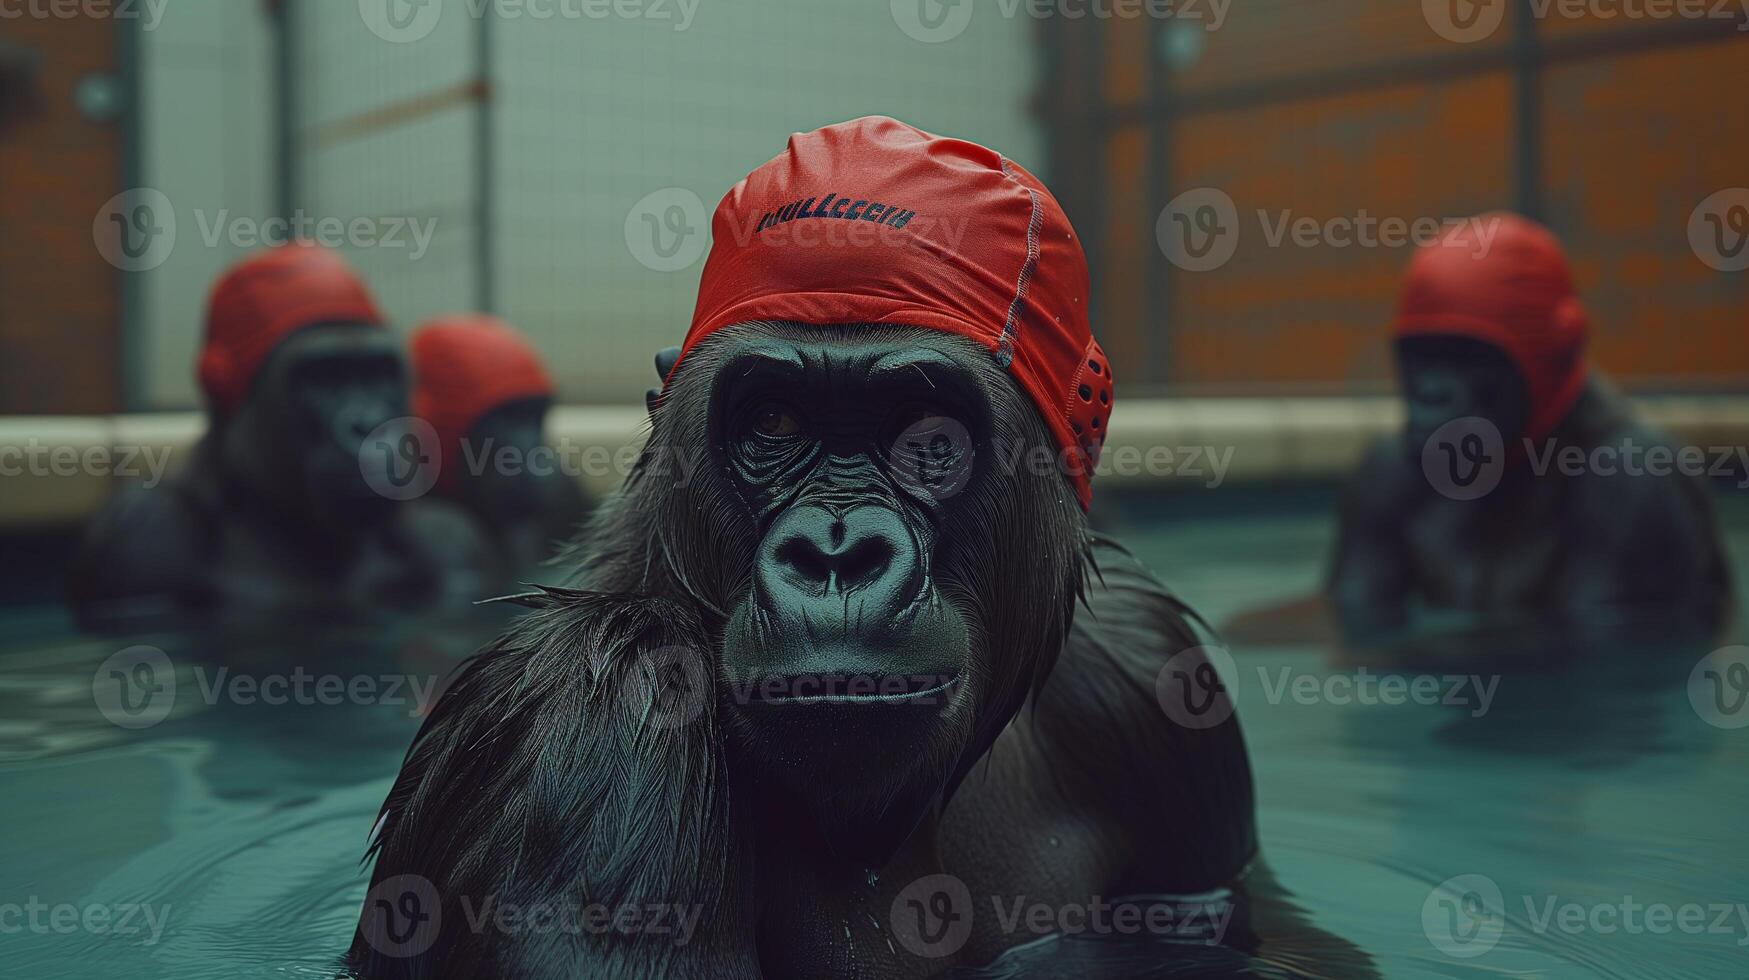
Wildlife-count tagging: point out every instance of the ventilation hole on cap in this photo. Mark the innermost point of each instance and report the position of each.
(1086, 393)
(1077, 426)
(1105, 398)
(1094, 365)
(1096, 421)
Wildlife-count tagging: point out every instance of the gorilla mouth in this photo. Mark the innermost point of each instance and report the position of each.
(853, 687)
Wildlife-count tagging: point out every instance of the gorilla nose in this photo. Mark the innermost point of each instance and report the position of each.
(816, 552)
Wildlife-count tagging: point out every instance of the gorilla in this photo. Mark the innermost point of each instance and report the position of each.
(288, 504)
(821, 706)
(482, 388)
(1473, 529)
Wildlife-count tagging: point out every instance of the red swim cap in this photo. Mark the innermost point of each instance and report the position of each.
(463, 367)
(873, 221)
(264, 298)
(1503, 280)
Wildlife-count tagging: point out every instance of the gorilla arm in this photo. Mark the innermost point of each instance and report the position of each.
(1370, 578)
(540, 781)
(1093, 790)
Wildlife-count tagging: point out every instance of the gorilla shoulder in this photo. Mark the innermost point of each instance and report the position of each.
(135, 566)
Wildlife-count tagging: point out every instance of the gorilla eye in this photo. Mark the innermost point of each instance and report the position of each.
(774, 421)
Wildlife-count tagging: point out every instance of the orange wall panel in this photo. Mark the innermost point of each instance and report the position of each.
(1633, 145)
(1290, 314)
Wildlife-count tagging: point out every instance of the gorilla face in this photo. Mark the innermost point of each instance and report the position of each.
(896, 579)
(316, 399)
(1448, 378)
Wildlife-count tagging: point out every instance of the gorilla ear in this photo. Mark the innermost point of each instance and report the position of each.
(666, 358)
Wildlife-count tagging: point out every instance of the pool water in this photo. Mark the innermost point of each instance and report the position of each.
(1593, 821)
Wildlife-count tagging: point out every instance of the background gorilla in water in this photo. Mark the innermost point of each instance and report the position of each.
(483, 389)
(864, 646)
(274, 512)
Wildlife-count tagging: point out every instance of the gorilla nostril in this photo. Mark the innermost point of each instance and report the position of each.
(864, 563)
(837, 555)
(803, 563)
(809, 566)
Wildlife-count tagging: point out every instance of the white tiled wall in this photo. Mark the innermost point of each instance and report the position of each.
(416, 168)
(206, 142)
(594, 115)
(589, 116)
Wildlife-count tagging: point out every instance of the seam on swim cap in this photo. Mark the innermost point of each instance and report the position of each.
(1005, 348)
